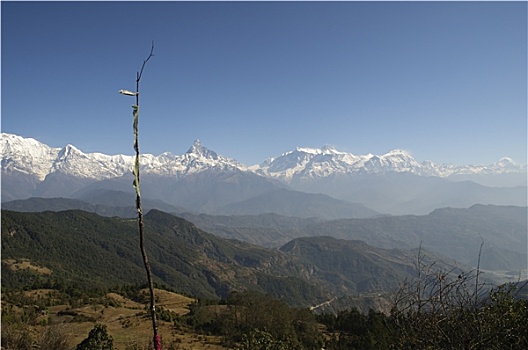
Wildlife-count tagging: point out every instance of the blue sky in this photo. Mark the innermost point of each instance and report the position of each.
(446, 81)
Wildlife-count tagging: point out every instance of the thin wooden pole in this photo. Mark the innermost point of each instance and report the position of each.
(156, 337)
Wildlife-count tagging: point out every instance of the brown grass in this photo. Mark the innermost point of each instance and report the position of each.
(172, 301)
(21, 265)
(129, 323)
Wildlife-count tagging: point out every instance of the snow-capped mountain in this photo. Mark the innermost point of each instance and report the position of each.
(29, 156)
(204, 181)
(317, 163)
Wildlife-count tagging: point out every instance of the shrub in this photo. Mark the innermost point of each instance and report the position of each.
(98, 339)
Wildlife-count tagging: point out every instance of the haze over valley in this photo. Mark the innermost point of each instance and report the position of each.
(306, 182)
(390, 201)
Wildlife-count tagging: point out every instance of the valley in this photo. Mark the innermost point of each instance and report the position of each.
(309, 234)
(66, 272)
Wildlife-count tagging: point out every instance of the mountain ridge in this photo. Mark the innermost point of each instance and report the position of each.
(102, 252)
(203, 181)
(30, 156)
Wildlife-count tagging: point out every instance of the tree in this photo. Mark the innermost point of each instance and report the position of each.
(261, 340)
(98, 339)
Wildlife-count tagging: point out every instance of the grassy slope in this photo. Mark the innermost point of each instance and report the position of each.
(127, 323)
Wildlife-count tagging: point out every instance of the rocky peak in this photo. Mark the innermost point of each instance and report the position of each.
(198, 150)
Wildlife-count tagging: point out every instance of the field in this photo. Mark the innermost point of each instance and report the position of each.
(127, 321)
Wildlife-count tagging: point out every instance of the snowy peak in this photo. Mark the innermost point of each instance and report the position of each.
(398, 153)
(327, 161)
(200, 151)
(199, 158)
(26, 155)
(31, 157)
(297, 161)
(326, 149)
(399, 160)
(505, 163)
(312, 162)
(68, 153)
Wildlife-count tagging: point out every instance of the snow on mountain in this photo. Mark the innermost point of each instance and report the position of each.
(317, 163)
(29, 156)
(98, 166)
(198, 158)
(311, 162)
(504, 166)
(314, 163)
(394, 161)
(32, 157)
(26, 155)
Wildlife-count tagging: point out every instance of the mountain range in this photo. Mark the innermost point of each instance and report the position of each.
(327, 225)
(368, 256)
(453, 233)
(202, 181)
(101, 252)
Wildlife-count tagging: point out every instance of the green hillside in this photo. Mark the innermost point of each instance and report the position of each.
(59, 267)
(100, 252)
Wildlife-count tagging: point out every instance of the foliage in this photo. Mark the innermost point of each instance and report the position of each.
(84, 249)
(497, 322)
(253, 318)
(18, 336)
(167, 315)
(351, 329)
(439, 309)
(98, 339)
(261, 340)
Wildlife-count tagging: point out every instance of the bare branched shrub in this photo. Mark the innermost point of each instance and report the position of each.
(55, 337)
(452, 309)
(16, 337)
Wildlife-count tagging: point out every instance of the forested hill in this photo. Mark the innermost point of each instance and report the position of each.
(99, 252)
(95, 251)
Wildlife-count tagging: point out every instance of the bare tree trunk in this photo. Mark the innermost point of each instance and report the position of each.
(156, 338)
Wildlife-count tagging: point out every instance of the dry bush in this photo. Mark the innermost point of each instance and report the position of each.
(452, 309)
(55, 337)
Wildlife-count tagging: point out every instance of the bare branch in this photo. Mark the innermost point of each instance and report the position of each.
(140, 73)
(478, 271)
